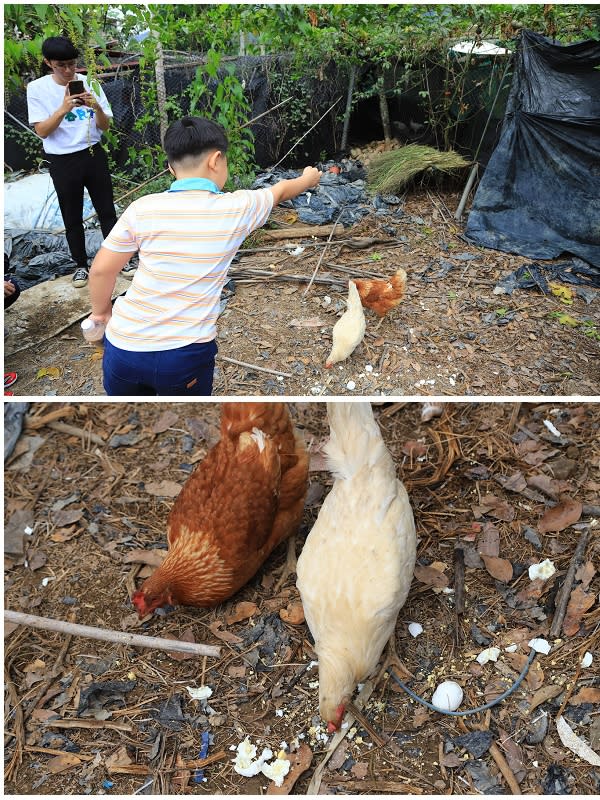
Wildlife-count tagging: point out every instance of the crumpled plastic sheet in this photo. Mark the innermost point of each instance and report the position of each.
(574, 272)
(339, 196)
(36, 256)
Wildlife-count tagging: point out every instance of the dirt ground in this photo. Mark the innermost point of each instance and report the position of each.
(451, 335)
(510, 484)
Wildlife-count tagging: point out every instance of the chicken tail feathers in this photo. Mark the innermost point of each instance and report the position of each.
(355, 439)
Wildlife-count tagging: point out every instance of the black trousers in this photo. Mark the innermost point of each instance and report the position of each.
(72, 172)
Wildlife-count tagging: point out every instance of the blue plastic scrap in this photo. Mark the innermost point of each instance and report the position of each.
(205, 742)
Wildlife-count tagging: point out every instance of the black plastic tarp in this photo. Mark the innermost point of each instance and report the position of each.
(540, 193)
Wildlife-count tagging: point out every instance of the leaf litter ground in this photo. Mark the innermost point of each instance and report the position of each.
(492, 479)
(451, 335)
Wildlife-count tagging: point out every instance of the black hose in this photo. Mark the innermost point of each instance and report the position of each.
(495, 702)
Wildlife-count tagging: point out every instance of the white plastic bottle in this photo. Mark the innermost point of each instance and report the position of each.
(92, 331)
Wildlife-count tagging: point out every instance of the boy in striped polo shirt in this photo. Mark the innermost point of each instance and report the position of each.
(160, 335)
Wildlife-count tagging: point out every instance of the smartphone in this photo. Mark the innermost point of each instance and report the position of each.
(76, 87)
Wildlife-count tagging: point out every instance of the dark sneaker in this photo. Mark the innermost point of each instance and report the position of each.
(80, 277)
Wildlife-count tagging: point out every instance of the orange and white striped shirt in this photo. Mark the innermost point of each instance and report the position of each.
(186, 240)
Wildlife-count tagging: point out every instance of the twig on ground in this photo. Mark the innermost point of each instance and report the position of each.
(119, 637)
(502, 764)
(254, 366)
(459, 593)
(72, 430)
(564, 592)
(316, 269)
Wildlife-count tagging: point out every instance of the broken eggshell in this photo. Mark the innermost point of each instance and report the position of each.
(415, 629)
(448, 696)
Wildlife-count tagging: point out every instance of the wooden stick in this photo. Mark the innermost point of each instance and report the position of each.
(305, 230)
(459, 593)
(51, 752)
(119, 637)
(72, 430)
(89, 724)
(254, 366)
(509, 775)
(316, 269)
(33, 423)
(564, 593)
(339, 736)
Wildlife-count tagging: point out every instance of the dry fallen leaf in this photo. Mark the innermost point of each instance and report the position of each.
(63, 762)
(153, 558)
(488, 541)
(579, 602)
(544, 694)
(499, 568)
(224, 636)
(566, 513)
(163, 489)
(186, 636)
(243, 610)
(293, 614)
(166, 420)
(431, 577)
(586, 695)
(494, 507)
(585, 573)
(577, 745)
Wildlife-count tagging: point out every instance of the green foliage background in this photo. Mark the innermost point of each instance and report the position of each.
(314, 36)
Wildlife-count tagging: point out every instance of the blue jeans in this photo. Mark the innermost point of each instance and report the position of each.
(183, 371)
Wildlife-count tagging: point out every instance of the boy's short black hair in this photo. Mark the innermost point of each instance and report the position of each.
(193, 136)
(59, 48)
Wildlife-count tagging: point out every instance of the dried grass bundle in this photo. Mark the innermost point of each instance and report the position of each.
(389, 172)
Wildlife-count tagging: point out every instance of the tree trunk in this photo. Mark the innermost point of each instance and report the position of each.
(384, 109)
(161, 91)
(348, 111)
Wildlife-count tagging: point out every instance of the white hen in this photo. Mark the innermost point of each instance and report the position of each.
(356, 566)
(348, 332)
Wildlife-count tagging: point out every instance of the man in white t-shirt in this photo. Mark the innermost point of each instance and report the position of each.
(71, 126)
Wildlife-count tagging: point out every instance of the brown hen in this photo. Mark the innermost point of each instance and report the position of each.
(241, 501)
(382, 295)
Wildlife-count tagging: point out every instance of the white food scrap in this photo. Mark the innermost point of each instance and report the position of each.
(587, 659)
(540, 645)
(544, 570)
(200, 693)
(415, 629)
(276, 770)
(491, 654)
(246, 763)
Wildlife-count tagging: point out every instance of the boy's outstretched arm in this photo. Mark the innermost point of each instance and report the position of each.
(103, 273)
(286, 190)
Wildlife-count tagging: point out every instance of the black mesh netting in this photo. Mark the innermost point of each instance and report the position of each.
(267, 81)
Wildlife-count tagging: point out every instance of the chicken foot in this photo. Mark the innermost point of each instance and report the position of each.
(393, 660)
(291, 563)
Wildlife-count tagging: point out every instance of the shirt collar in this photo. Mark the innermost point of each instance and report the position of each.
(186, 184)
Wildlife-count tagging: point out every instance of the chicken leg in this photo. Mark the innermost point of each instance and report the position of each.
(393, 660)
(290, 565)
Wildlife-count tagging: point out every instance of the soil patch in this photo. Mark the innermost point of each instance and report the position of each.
(451, 335)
